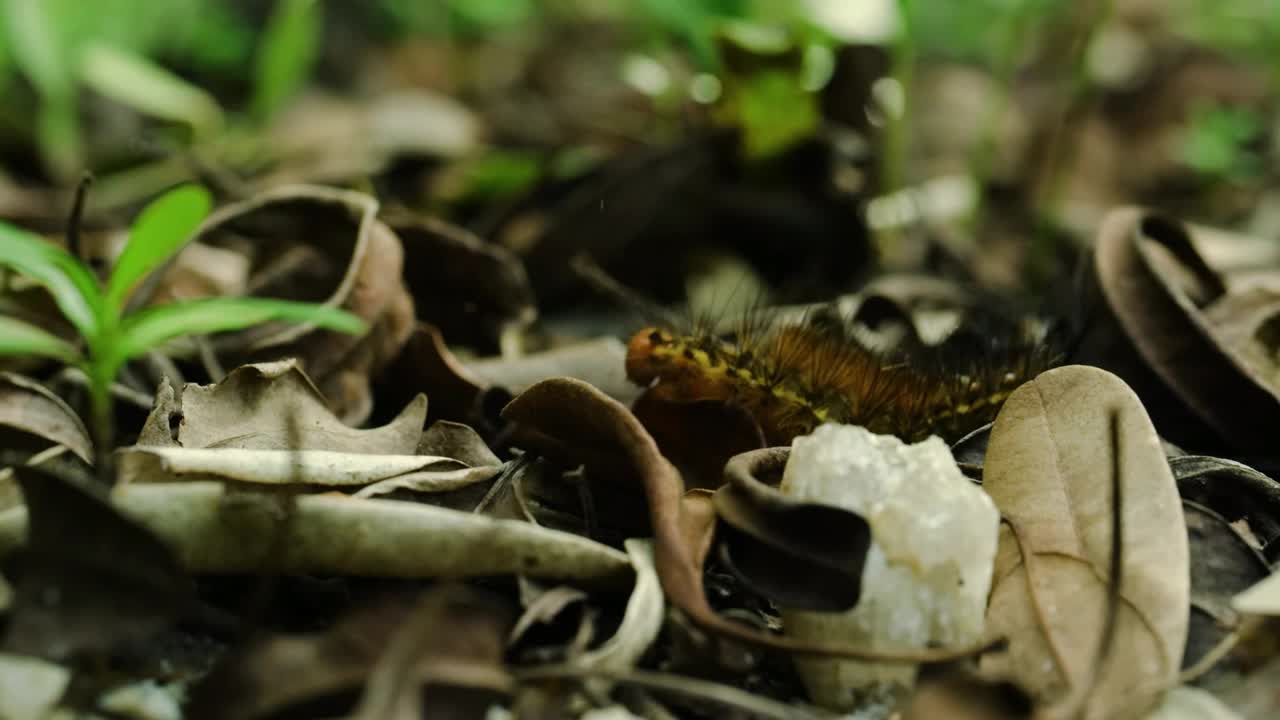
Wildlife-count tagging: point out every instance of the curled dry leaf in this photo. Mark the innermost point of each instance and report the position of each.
(272, 676)
(445, 659)
(88, 576)
(272, 406)
(33, 422)
(33, 419)
(29, 687)
(959, 694)
(214, 531)
(1223, 564)
(640, 622)
(572, 417)
(470, 289)
(1157, 287)
(1240, 493)
(426, 365)
(797, 554)
(1049, 469)
(457, 441)
(321, 245)
(1261, 599)
(600, 362)
(376, 474)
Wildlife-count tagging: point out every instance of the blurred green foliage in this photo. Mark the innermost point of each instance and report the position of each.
(151, 55)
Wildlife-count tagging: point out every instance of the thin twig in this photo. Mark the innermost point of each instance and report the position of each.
(75, 220)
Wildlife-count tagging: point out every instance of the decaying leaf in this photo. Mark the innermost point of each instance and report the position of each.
(1223, 564)
(391, 659)
(427, 365)
(1156, 287)
(325, 468)
(89, 577)
(958, 694)
(1049, 469)
(797, 554)
(30, 687)
(36, 426)
(213, 530)
(1261, 599)
(33, 419)
(641, 621)
(318, 244)
(447, 659)
(570, 416)
(468, 288)
(1188, 703)
(599, 362)
(256, 406)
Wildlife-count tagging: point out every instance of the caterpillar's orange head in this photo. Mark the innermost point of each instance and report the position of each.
(647, 355)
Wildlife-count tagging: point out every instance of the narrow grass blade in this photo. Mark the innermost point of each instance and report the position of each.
(20, 338)
(163, 226)
(73, 287)
(286, 55)
(149, 328)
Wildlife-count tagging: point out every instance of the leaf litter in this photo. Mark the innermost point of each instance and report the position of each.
(467, 508)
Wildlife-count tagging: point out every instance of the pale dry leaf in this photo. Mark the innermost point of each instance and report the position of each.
(1261, 599)
(214, 531)
(640, 622)
(30, 687)
(321, 245)
(261, 406)
(29, 408)
(1191, 703)
(425, 473)
(1049, 470)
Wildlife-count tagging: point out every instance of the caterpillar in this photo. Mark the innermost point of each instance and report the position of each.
(792, 376)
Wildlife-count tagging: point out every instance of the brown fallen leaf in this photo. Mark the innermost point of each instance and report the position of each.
(1156, 287)
(798, 554)
(258, 407)
(468, 288)
(955, 693)
(1223, 564)
(426, 365)
(318, 244)
(578, 419)
(1049, 470)
(35, 423)
(89, 578)
(33, 419)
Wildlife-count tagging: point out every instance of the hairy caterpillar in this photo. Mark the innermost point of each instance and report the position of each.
(793, 376)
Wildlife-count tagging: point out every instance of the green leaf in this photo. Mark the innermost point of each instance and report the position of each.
(148, 88)
(19, 338)
(73, 287)
(163, 226)
(288, 50)
(150, 328)
(38, 48)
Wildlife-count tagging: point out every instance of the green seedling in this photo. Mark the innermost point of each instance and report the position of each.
(110, 334)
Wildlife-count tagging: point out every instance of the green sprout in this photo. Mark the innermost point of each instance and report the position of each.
(110, 334)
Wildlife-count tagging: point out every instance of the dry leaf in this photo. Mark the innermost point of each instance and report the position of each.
(89, 577)
(798, 554)
(1049, 470)
(318, 244)
(213, 530)
(376, 474)
(570, 416)
(274, 406)
(1156, 287)
(470, 289)
(1261, 599)
(33, 419)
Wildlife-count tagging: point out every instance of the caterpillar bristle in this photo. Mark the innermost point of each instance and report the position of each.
(793, 376)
